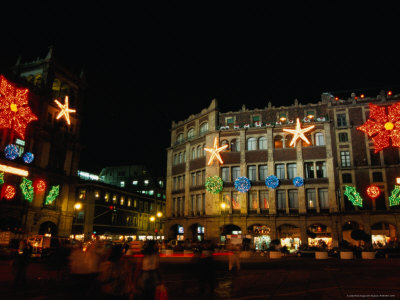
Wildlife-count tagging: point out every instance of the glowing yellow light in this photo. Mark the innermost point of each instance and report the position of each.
(15, 171)
(215, 152)
(298, 132)
(389, 125)
(223, 205)
(398, 180)
(159, 214)
(78, 206)
(64, 110)
(152, 219)
(13, 107)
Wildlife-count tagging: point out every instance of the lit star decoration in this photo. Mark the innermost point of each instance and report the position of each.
(298, 181)
(272, 182)
(27, 189)
(242, 184)
(353, 196)
(28, 157)
(11, 151)
(394, 198)
(373, 191)
(53, 194)
(214, 184)
(64, 110)
(14, 110)
(383, 127)
(215, 152)
(298, 132)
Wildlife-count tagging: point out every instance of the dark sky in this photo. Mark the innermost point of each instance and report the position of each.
(147, 65)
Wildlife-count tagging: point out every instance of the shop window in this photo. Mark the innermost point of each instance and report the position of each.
(341, 120)
(377, 177)
(253, 201)
(343, 137)
(321, 169)
(278, 142)
(251, 144)
(281, 199)
(263, 172)
(235, 173)
(345, 158)
(292, 170)
(280, 171)
(226, 198)
(235, 201)
(225, 174)
(319, 139)
(106, 197)
(323, 198)
(347, 178)
(262, 143)
(251, 173)
(293, 201)
(264, 204)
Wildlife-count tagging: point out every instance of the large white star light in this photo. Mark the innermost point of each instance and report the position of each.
(298, 132)
(215, 152)
(64, 110)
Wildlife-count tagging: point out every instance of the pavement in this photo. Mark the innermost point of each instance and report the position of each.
(258, 278)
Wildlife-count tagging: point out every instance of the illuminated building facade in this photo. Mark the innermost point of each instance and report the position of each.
(47, 151)
(298, 161)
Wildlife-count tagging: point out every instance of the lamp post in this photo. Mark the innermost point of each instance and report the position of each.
(224, 206)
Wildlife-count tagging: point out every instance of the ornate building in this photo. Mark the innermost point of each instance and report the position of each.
(32, 122)
(295, 166)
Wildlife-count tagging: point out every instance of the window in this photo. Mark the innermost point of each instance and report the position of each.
(190, 133)
(229, 120)
(193, 202)
(319, 139)
(199, 178)
(281, 199)
(235, 145)
(377, 177)
(122, 184)
(223, 143)
(253, 201)
(106, 197)
(199, 202)
(251, 144)
(280, 171)
(262, 143)
(343, 137)
(203, 128)
(321, 169)
(193, 153)
(193, 176)
(347, 178)
(199, 151)
(134, 182)
(278, 141)
(311, 200)
(341, 120)
(175, 159)
(179, 138)
(225, 174)
(345, 158)
(263, 172)
(235, 173)
(235, 201)
(251, 173)
(180, 157)
(293, 201)
(292, 170)
(146, 182)
(309, 169)
(121, 200)
(255, 119)
(264, 200)
(323, 198)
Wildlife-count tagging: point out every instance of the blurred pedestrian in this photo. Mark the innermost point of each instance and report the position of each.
(20, 264)
(234, 258)
(205, 270)
(147, 274)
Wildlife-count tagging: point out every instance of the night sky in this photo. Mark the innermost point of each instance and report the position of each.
(149, 65)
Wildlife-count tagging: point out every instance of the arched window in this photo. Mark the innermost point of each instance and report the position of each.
(179, 138)
(235, 146)
(199, 152)
(278, 141)
(193, 153)
(319, 139)
(180, 158)
(203, 128)
(204, 151)
(190, 133)
(251, 144)
(262, 143)
(225, 142)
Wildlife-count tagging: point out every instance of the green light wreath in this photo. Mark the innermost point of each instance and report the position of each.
(214, 184)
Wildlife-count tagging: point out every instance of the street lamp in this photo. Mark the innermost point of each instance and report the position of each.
(223, 207)
(78, 206)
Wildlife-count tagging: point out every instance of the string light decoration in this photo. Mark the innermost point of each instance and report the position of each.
(12, 170)
(64, 110)
(1, 178)
(215, 152)
(394, 198)
(383, 127)
(15, 112)
(272, 182)
(353, 196)
(214, 184)
(373, 191)
(28, 157)
(8, 191)
(11, 151)
(242, 184)
(298, 181)
(298, 133)
(39, 185)
(53, 194)
(27, 189)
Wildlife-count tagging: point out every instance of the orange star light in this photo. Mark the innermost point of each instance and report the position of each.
(215, 152)
(64, 110)
(298, 132)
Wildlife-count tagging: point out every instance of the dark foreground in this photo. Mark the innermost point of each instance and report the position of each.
(259, 278)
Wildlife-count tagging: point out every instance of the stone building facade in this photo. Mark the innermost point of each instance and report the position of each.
(259, 146)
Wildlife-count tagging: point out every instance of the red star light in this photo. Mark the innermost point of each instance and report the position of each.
(383, 127)
(14, 110)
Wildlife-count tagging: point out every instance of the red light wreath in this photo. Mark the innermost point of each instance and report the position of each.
(373, 191)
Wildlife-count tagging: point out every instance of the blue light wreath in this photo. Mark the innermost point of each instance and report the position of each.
(242, 184)
(11, 151)
(298, 181)
(272, 182)
(28, 157)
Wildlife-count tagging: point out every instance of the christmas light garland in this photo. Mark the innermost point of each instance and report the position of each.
(28, 157)
(53, 194)
(394, 198)
(242, 184)
(39, 186)
(272, 182)
(27, 189)
(298, 181)
(1, 178)
(353, 196)
(11, 151)
(214, 184)
(8, 191)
